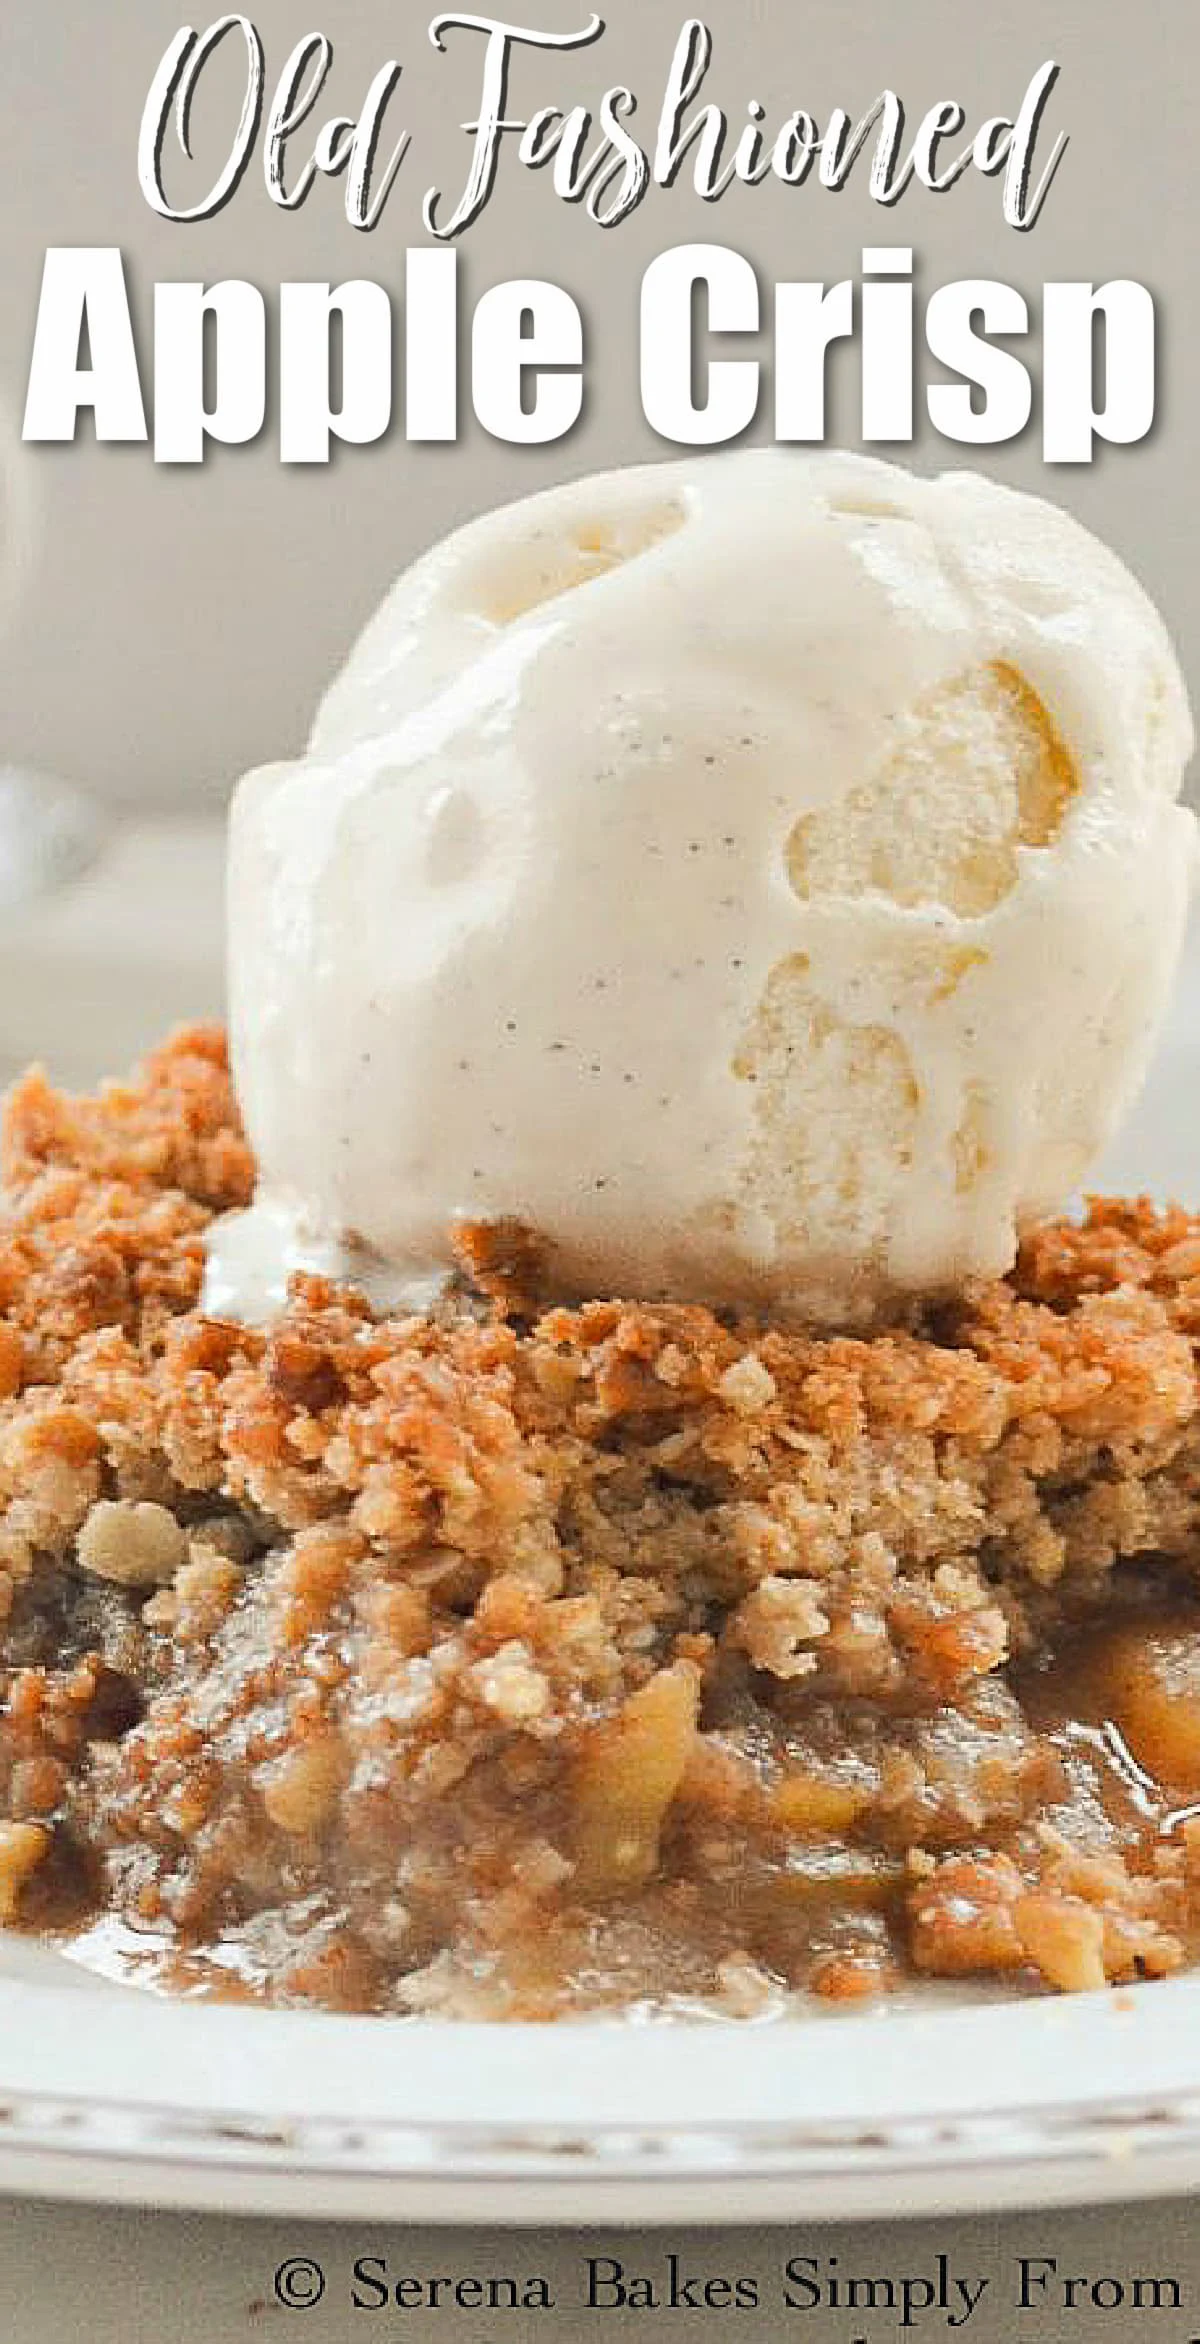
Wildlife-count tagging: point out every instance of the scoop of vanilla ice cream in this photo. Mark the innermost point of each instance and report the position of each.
(762, 875)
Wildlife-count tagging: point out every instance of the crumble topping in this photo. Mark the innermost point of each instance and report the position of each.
(510, 1661)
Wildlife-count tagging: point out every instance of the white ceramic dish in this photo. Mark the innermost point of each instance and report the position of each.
(106, 2094)
(112, 2094)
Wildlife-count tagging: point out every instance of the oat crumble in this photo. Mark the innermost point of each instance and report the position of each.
(514, 1661)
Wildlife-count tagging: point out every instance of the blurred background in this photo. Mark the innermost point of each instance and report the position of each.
(174, 626)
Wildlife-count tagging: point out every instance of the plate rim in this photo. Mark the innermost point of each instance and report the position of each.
(236, 2109)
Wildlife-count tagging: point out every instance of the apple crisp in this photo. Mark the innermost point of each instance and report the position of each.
(518, 1660)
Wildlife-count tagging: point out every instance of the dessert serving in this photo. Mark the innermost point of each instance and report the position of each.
(601, 1467)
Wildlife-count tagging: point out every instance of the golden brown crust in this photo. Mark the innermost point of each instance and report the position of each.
(416, 1564)
(174, 1126)
(107, 1200)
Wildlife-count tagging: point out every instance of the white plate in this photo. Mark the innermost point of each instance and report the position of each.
(109, 2093)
